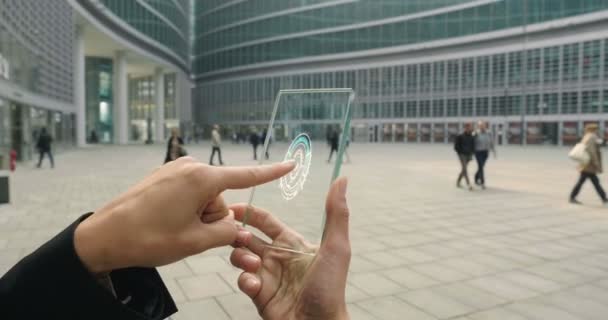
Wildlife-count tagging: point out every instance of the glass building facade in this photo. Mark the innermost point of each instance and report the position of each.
(165, 21)
(142, 106)
(36, 54)
(535, 69)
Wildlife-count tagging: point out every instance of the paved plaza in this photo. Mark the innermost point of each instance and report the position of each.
(422, 249)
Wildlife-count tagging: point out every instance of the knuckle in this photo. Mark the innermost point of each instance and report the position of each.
(253, 174)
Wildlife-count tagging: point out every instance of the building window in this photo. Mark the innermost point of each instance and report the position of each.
(399, 110)
(513, 105)
(550, 103)
(483, 108)
(452, 108)
(412, 79)
(425, 109)
(425, 77)
(498, 71)
(438, 76)
(438, 109)
(551, 65)
(533, 105)
(468, 73)
(411, 109)
(570, 64)
(483, 72)
(569, 102)
(591, 102)
(374, 82)
(499, 106)
(398, 80)
(533, 66)
(453, 75)
(591, 60)
(467, 107)
(387, 81)
(515, 68)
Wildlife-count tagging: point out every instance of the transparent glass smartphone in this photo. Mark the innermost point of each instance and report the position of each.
(311, 127)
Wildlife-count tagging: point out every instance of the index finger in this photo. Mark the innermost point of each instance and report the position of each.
(246, 177)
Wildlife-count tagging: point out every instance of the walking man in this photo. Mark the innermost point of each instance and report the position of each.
(591, 169)
(465, 147)
(254, 139)
(44, 147)
(484, 143)
(216, 141)
(333, 140)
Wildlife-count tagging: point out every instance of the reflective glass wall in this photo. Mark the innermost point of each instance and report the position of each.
(142, 106)
(164, 21)
(241, 33)
(439, 64)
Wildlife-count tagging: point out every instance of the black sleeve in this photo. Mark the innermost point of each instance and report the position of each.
(52, 283)
(458, 144)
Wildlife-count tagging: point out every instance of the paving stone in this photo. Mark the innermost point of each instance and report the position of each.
(192, 310)
(503, 288)
(374, 284)
(409, 279)
(204, 286)
(439, 305)
(391, 308)
(239, 306)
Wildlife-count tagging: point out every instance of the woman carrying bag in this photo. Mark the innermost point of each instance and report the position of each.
(591, 165)
(175, 147)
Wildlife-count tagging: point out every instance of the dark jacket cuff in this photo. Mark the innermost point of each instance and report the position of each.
(52, 283)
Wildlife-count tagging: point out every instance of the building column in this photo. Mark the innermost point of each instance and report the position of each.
(79, 88)
(121, 109)
(159, 79)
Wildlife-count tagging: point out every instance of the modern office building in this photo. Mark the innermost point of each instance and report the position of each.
(123, 71)
(536, 70)
(92, 70)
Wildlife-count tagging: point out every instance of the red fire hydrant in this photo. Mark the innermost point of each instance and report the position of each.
(13, 160)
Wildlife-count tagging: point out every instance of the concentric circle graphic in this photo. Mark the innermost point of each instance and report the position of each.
(300, 151)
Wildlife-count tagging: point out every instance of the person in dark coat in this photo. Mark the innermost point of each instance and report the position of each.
(175, 146)
(465, 147)
(44, 147)
(254, 139)
(333, 140)
(263, 141)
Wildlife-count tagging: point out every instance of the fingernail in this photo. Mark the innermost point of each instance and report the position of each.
(251, 283)
(250, 259)
(343, 186)
(242, 238)
(289, 162)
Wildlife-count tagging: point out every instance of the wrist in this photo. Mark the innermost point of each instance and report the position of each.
(92, 248)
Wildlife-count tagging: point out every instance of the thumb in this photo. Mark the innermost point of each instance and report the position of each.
(335, 235)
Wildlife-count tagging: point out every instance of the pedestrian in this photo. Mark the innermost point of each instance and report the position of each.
(216, 142)
(254, 139)
(465, 147)
(346, 150)
(591, 169)
(263, 142)
(484, 143)
(333, 141)
(175, 146)
(44, 147)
